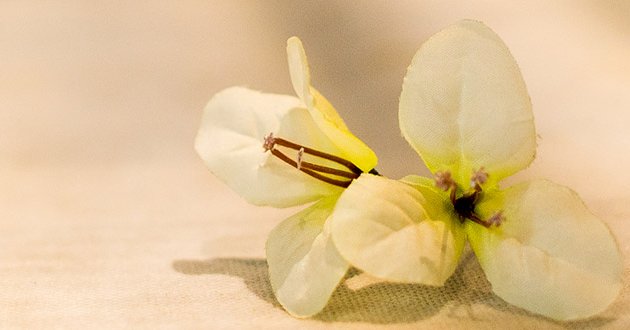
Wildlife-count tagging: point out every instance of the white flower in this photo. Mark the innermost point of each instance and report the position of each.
(465, 109)
(282, 151)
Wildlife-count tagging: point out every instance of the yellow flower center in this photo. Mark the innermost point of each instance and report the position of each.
(464, 205)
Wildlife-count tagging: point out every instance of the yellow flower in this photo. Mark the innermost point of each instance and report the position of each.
(465, 109)
(282, 151)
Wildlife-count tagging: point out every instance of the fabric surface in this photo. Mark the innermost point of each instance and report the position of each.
(108, 219)
(147, 247)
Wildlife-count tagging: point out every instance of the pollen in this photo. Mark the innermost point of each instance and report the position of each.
(496, 219)
(465, 202)
(478, 177)
(269, 142)
(444, 181)
(300, 157)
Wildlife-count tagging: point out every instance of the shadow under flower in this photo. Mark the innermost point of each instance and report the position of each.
(384, 302)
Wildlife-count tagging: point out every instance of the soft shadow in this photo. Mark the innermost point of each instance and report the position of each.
(252, 271)
(384, 302)
(402, 303)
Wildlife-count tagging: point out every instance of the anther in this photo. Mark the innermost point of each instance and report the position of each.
(269, 142)
(478, 177)
(300, 156)
(444, 181)
(496, 219)
(320, 172)
(464, 205)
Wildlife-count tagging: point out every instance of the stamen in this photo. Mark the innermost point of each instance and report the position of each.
(464, 205)
(300, 155)
(320, 172)
(374, 171)
(475, 218)
(496, 219)
(444, 181)
(312, 170)
(349, 165)
(269, 142)
(479, 177)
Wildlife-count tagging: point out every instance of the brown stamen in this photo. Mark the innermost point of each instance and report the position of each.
(444, 181)
(282, 142)
(319, 172)
(479, 177)
(465, 204)
(300, 155)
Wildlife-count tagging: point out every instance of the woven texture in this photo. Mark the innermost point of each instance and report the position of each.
(124, 251)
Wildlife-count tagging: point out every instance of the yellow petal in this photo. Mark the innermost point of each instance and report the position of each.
(304, 265)
(464, 105)
(301, 80)
(230, 140)
(324, 114)
(551, 256)
(380, 226)
(299, 71)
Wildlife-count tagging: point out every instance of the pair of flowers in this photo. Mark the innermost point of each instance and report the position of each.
(465, 109)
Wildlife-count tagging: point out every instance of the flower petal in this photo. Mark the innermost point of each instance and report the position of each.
(551, 255)
(230, 140)
(380, 226)
(304, 265)
(464, 105)
(301, 80)
(324, 114)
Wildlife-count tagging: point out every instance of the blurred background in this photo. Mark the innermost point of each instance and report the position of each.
(100, 103)
(86, 83)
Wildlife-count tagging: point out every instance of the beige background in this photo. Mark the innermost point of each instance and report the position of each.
(109, 219)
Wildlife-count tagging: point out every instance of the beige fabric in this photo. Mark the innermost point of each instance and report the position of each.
(109, 220)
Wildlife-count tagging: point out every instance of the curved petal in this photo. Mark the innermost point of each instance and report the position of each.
(230, 139)
(464, 105)
(324, 114)
(301, 81)
(304, 265)
(380, 226)
(551, 255)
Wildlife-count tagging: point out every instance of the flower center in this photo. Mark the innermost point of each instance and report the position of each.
(335, 176)
(464, 205)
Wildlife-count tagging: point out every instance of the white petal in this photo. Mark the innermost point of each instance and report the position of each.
(324, 114)
(230, 139)
(551, 255)
(464, 105)
(304, 265)
(380, 226)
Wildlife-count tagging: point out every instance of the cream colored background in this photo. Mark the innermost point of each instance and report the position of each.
(109, 219)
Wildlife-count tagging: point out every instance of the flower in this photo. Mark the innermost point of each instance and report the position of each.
(465, 109)
(282, 151)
